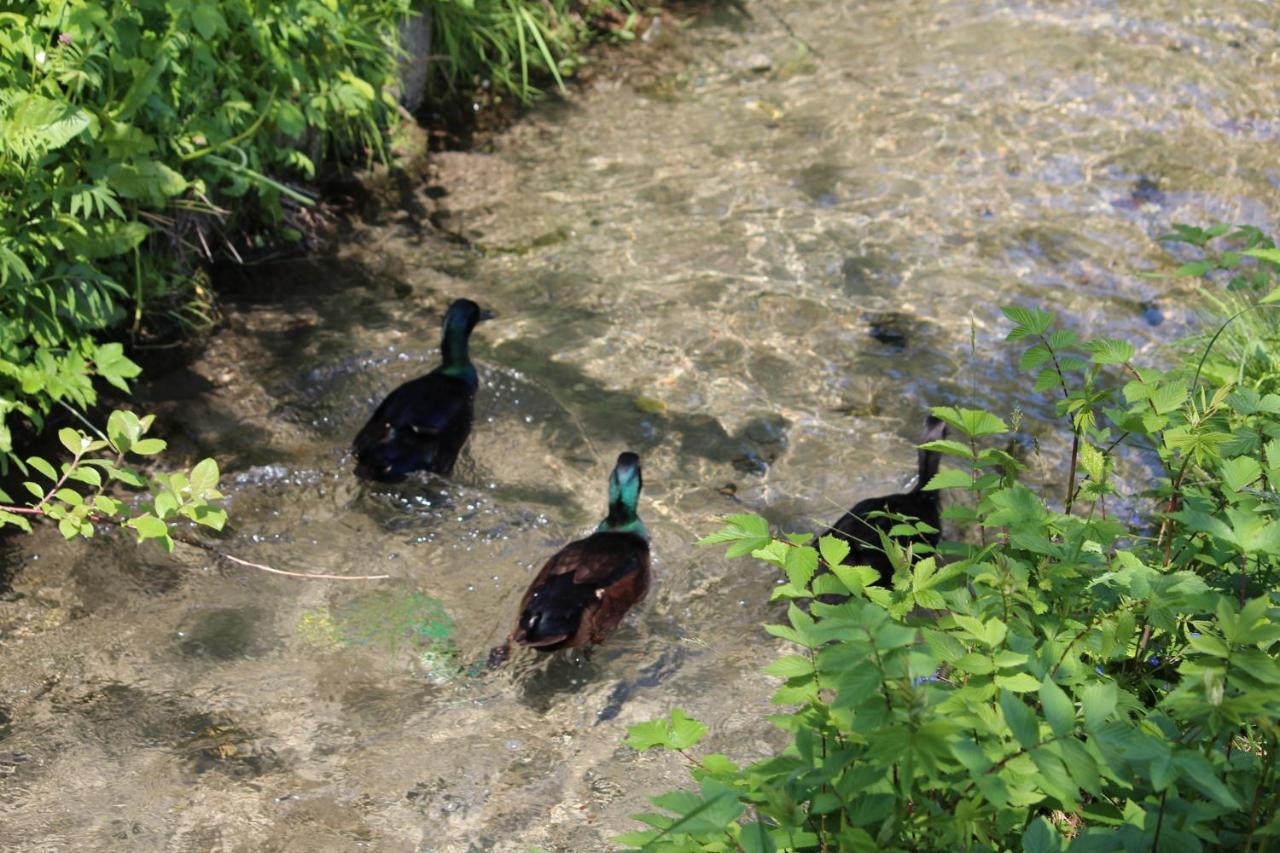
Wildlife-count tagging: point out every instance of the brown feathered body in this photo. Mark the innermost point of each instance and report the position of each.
(583, 591)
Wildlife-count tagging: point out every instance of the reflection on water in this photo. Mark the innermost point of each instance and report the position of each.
(756, 269)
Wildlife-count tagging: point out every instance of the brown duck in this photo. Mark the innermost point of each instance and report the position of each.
(586, 588)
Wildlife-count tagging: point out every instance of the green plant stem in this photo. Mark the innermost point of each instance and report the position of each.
(239, 137)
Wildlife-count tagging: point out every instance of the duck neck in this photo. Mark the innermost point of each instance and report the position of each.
(455, 358)
(928, 468)
(622, 517)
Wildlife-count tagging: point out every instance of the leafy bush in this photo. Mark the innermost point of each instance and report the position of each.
(130, 134)
(1071, 678)
(1246, 345)
(75, 494)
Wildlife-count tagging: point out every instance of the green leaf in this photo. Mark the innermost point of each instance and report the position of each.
(148, 447)
(680, 732)
(1169, 397)
(800, 564)
(1041, 837)
(1111, 351)
(1272, 255)
(1240, 472)
(949, 478)
(755, 838)
(207, 19)
(16, 520)
(40, 124)
(1028, 321)
(833, 550)
(1058, 708)
(148, 181)
(790, 666)
(204, 477)
(72, 440)
(43, 467)
(1195, 268)
(1022, 682)
(107, 239)
(1099, 702)
(972, 422)
(148, 527)
(1020, 719)
(209, 516)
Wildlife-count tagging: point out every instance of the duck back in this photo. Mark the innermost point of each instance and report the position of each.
(421, 425)
(583, 591)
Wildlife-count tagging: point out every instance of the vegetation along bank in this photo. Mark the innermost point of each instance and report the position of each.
(142, 141)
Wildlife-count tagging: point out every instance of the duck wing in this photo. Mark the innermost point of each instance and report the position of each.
(584, 590)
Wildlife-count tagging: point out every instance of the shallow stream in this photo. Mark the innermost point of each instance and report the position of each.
(756, 265)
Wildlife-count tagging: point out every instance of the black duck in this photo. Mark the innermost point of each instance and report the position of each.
(423, 424)
(862, 532)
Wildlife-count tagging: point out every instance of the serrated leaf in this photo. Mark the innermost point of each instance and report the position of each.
(1099, 702)
(949, 478)
(1021, 682)
(1092, 461)
(1020, 719)
(1240, 472)
(1059, 711)
(1111, 351)
(790, 666)
(1029, 321)
(833, 550)
(800, 564)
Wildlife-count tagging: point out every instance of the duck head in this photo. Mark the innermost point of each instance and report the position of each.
(624, 495)
(459, 320)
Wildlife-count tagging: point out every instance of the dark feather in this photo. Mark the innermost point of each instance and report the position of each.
(583, 591)
(861, 530)
(421, 425)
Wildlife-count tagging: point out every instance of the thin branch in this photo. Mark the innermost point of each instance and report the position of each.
(310, 575)
(99, 519)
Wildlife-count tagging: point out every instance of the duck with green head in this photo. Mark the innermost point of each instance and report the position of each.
(586, 588)
(423, 424)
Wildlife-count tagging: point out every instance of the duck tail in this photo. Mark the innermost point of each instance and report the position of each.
(935, 429)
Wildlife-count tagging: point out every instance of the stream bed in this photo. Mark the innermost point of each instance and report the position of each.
(756, 265)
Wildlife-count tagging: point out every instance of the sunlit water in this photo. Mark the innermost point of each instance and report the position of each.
(757, 271)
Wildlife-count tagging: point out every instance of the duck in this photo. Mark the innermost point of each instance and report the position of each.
(587, 587)
(423, 424)
(861, 531)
